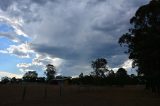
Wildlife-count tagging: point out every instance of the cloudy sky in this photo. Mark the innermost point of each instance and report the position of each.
(66, 33)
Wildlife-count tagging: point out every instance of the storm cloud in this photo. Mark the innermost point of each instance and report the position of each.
(77, 31)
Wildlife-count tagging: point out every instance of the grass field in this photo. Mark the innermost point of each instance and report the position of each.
(37, 95)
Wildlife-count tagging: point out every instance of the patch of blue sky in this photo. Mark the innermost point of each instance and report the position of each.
(24, 39)
(5, 27)
(8, 63)
(5, 42)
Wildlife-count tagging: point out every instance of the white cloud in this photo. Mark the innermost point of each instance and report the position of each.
(10, 75)
(23, 50)
(15, 23)
(127, 64)
(39, 63)
(10, 36)
(67, 30)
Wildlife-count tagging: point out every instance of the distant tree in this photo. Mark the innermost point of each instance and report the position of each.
(121, 76)
(81, 75)
(110, 77)
(30, 76)
(121, 72)
(99, 67)
(40, 79)
(50, 72)
(5, 80)
(13, 80)
(111, 74)
(132, 75)
(143, 42)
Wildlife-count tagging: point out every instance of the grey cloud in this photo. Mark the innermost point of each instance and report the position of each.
(40, 1)
(10, 36)
(61, 52)
(114, 54)
(4, 4)
(22, 50)
(83, 32)
(78, 31)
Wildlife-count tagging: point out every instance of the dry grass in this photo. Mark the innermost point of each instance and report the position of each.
(11, 95)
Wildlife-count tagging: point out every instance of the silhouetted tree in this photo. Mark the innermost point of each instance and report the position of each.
(50, 72)
(121, 76)
(30, 76)
(111, 74)
(40, 79)
(121, 72)
(111, 77)
(143, 42)
(5, 80)
(81, 75)
(99, 66)
(13, 80)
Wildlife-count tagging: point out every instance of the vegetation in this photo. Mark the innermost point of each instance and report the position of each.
(101, 78)
(143, 43)
(50, 72)
(30, 76)
(120, 78)
(99, 67)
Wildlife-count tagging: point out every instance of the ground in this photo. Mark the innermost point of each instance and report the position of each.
(49, 95)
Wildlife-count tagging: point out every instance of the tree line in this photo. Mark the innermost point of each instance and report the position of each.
(32, 76)
(100, 75)
(143, 43)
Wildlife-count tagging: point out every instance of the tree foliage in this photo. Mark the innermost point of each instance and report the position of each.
(50, 72)
(30, 76)
(5, 80)
(121, 76)
(99, 67)
(121, 73)
(143, 40)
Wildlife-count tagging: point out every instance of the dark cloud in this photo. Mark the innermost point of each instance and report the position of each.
(61, 52)
(5, 4)
(42, 2)
(112, 52)
(76, 31)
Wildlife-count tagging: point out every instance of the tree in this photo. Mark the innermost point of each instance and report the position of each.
(111, 74)
(122, 73)
(99, 67)
(50, 72)
(13, 80)
(81, 75)
(143, 41)
(121, 76)
(5, 80)
(30, 76)
(111, 77)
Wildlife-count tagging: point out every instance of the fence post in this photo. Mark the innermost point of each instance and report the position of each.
(60, 87)
(23, 93)
(45, 92)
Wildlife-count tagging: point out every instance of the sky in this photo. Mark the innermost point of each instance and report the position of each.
(66, 33)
